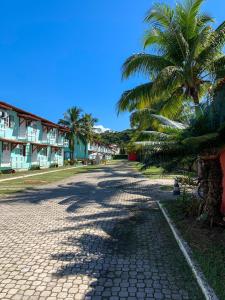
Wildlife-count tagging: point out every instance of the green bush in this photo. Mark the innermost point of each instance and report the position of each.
(35, 167)
(66, 162)
(73, 162)
(7, 171)
(54, 165)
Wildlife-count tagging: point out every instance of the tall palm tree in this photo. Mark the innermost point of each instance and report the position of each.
(184, 54)
(88, 122)
(73, 120)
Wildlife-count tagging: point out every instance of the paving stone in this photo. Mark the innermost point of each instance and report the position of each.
(95, 236)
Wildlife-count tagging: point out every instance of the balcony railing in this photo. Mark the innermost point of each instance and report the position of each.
(32, 137)
(17, 162)
(24, 135)
(2, 130)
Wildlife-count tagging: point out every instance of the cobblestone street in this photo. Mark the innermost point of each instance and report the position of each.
(98, 235)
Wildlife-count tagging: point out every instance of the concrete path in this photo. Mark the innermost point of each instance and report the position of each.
(98, 235)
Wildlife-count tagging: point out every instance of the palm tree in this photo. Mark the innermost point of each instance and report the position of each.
(88, 122)
(184, 54)
(73, 120)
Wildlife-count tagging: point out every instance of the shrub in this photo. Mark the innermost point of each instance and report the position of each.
(35, 167)
(73, 162)
(66, 162)
(53, 165)
(7, 171)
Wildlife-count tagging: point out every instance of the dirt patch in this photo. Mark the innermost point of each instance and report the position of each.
(35, 181)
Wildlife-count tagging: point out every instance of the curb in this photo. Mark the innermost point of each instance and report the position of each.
(202, 282)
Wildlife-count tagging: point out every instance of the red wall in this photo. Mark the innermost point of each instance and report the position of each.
(222, 161)
(132, 156)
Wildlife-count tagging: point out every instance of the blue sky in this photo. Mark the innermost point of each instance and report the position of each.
(55, 54)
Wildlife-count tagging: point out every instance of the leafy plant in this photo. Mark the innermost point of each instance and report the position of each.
(188, 53)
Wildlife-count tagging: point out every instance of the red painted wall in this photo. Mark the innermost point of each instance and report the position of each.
(132, 156)
(222, 161)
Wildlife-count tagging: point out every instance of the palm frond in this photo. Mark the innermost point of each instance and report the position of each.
(172, 107)
(135, 98)
(220, 27)
(167, 82)
(144, 63)
(168, 122)
(156, 134)
(187, 14)
(161, 15)
(151, 37)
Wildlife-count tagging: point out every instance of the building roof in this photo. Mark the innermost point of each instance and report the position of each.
(26, 115)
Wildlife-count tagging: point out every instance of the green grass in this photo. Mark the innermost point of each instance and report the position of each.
(208, 245)
(30, 172)
(19, 185)
(154, 172)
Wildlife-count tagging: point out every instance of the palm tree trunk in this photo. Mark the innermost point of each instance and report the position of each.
(85, 151)
(212, 189)
(72, 148)
(195, 97)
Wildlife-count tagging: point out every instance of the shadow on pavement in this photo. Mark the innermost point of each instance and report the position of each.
(127, 248)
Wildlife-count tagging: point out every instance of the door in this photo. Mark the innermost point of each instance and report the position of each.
(53, 156)
(23, 130)
(34, 155)
(6, 154)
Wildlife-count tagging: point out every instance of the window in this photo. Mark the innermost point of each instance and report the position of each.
(6, 147)
(53, 133)
(24, 150)
(9, 121)
(28, 123)
(44, 151)
(31, 124)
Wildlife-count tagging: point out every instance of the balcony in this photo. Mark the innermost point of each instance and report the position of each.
(52, 139)
(2, 130)
(60, 141)
(32, 137)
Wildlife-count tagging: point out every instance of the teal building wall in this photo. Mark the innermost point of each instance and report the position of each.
(81, 149)
(27, 140)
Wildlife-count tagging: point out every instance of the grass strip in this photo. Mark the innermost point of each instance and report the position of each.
(22, 184)
(208, 245)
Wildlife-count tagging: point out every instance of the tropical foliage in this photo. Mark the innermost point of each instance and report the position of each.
(88, 134)
(80, 125)
(184, 55)
(179, 114)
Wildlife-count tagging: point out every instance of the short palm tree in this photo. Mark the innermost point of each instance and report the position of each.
(184, 54)
(73, 120)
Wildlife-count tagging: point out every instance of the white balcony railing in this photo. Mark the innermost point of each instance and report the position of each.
(17, 162)
(32, 137)
(2, 130)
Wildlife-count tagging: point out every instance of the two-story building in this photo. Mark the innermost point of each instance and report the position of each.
(28, 140)
(101, 150)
